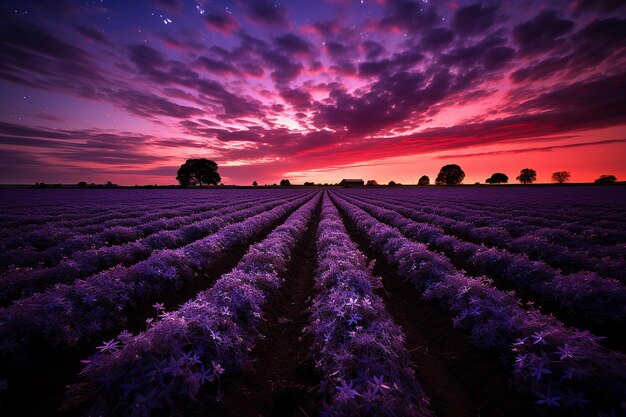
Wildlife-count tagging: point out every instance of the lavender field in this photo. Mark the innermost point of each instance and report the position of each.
(386, 301)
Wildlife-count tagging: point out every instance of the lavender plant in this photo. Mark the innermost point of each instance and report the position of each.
(566, 370)
(359, 351)
(184, 356)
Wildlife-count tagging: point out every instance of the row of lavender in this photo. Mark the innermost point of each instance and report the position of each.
(358, 349)
(602, 218)
(189, 351)
(598, 241)
(564, 369)
(50, 243)
(49, 232)
(43, 236)
(592, 206)
(553, 244)
(599, 300)
(360, 353)
(71, 314)
(29, 208)
(81, 264)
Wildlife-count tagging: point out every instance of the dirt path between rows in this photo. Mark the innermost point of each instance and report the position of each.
(459, 379)
(283, 382)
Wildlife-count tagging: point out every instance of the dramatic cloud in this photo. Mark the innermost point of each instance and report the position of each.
(267, 88)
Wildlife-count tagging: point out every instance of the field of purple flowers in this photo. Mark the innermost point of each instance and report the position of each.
(438, 301)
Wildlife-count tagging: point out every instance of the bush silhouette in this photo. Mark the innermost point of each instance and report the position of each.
(497, 178)
(285, 183)
(606, 179)
(424, 180)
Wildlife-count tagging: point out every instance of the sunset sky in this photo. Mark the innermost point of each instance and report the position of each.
(311, 90)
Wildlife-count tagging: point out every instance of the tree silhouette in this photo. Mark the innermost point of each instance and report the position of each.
(451, 174)
(392, 183)
(497, 178)
(254, 183)
(371, 182)
(561, 176)
(199, 171)
(82, 184)
(527, 176)
(424, 180)
(285, 183)
(606, 179)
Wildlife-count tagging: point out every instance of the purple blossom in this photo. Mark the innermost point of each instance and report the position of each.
(110, 346)
(567, 352)
(346, 390)
(548, 398)
(378, 383)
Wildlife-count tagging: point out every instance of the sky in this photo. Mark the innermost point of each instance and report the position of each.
(126, 91)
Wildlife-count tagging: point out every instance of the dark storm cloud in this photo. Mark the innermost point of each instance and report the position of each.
(409, 15)
(217, 66)
(150, 105)
(372, 49)
(94, 33)
(436, 39)
(601, 100)
(299, 99)
(148, 60)
(535, 149)
(542, 33)
(591, 46)
(27, 131)
(19, 37)
(284, 69)
(599, 5)
(220, 21)
(293, 44)
(265, 12)
(336, 50)
(85, 146)
(474, 19)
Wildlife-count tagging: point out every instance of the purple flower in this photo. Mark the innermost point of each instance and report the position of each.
(537, 371)
(110, 346)
(354, 319)
(520, 342)
(175, 366)
(346, 390)
(548, 398)
(379, 384)
(217, 368)
(576, 399)
(566, 351)
(539, 337)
